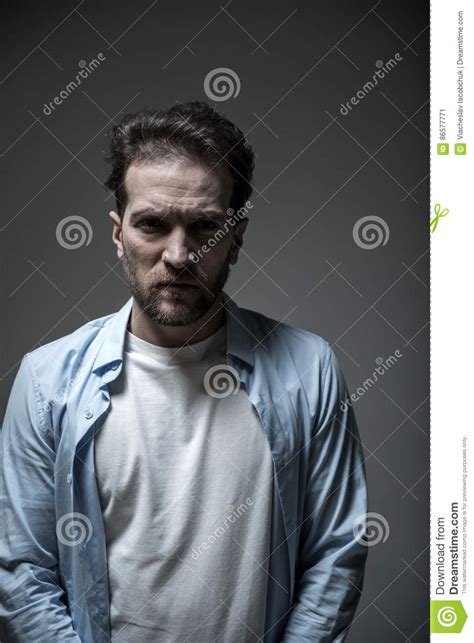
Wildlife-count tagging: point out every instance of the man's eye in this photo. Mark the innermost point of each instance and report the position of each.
(205, 224)
(153, 224)
(150, 223)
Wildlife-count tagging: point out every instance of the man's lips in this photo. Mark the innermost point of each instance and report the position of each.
(176, 284)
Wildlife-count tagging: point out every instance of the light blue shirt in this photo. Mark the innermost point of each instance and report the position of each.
(53, 572)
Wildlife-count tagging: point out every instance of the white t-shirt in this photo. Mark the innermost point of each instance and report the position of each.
(185, 485)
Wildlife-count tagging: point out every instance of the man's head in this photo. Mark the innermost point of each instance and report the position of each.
(178, 177)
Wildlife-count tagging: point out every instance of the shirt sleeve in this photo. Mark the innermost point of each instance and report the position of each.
(332, 556)
(32, 603)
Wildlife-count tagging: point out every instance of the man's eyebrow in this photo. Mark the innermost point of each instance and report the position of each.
(147, 212)
(198, 214)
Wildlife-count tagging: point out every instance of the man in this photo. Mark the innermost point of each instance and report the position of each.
(184, 469)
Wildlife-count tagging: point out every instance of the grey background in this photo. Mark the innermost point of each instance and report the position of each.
(315, 178)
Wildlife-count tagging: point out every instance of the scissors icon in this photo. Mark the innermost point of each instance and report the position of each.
(439, 213)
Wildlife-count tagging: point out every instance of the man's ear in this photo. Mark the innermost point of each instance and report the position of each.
(117, 232)
(238, 239)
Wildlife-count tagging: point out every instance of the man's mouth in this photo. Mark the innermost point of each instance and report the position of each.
(176, 284)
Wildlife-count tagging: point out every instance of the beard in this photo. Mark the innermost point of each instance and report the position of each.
(168, 307)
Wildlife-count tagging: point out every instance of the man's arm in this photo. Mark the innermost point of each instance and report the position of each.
(331, 559)
(32, 605)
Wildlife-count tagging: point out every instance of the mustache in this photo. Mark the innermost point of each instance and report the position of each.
(185, 276)
(194, 280)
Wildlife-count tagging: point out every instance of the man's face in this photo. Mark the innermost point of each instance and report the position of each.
(176, 208)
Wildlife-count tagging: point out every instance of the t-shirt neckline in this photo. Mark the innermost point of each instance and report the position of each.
(186, 353)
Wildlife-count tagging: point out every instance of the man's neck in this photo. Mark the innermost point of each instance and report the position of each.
(145, 328)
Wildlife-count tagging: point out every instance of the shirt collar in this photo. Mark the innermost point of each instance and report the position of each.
(240, 339)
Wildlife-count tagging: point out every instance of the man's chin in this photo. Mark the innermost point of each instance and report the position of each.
(176, 311)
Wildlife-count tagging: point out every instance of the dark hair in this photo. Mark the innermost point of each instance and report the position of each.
(192, 129)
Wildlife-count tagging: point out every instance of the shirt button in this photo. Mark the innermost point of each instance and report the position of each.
(69, 478)
(88, 414)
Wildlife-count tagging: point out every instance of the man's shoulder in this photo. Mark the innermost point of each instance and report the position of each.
(70, 350)
(280, 337)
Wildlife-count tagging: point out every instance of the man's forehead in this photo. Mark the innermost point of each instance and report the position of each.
(176, 178)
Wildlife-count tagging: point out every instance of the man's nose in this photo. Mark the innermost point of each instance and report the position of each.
(177, 251)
